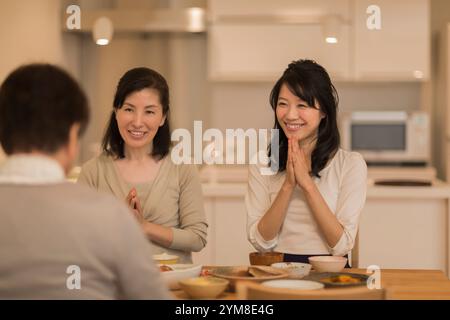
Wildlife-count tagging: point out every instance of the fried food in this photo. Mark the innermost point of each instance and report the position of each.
(342, 279)
(165, 268)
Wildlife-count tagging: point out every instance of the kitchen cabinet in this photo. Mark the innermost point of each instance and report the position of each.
(262, 52)
(255, 40)
(405, 228)
(227, 237)
(400, 50)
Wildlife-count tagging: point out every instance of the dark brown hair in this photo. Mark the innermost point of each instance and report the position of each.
(38, 105)
(132, 81)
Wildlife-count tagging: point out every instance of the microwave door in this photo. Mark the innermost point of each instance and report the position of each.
(377, 137)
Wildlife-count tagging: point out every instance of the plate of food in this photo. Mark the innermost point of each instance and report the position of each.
(339, 279)
(248, 273)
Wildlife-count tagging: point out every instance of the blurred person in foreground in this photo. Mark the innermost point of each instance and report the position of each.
(60, 240)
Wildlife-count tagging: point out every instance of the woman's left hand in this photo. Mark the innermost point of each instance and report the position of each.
(301, 165)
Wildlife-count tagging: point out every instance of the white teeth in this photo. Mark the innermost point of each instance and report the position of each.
(294, 126)
(137, 133)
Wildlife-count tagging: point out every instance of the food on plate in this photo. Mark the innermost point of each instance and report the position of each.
(257, 271)
(342, 279)
(165, 268)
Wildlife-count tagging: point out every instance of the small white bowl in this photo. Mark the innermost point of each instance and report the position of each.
(180, 272)
(328, 263)
(296, 269)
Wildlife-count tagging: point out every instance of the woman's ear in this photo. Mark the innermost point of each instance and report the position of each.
(163, 120)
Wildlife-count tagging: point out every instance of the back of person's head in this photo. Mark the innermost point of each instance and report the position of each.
(39, 104)
(135, 80)
(310, 82)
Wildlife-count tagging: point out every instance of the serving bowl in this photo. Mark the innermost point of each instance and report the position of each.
(204, 287)
(265, 258)
(179, 272)
(165, 258)
(339, 279)
(327, 263)
(296, 270)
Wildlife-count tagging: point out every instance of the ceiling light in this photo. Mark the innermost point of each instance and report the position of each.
(102, 31)
(331, 26)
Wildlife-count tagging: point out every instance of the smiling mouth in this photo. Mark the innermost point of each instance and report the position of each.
(294, 126)
(137, 134)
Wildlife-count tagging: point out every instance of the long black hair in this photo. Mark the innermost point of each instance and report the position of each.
(132, 81)
(310, 82)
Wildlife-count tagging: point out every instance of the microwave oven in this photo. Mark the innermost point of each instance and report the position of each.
(388, 137)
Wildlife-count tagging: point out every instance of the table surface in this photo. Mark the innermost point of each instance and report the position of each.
(400, 284)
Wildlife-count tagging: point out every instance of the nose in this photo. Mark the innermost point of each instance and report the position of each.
(137, 120)
(292, 113)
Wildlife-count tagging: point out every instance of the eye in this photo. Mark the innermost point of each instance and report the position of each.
(126, 109)
(149, 112)
(281, 104)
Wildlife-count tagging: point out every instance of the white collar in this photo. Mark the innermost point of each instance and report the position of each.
(31, 169)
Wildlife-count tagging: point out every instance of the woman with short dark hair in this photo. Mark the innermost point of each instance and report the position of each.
(311, 205)
(135, 165)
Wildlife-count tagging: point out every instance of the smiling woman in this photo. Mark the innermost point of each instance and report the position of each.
(135, 166)
(311, 205)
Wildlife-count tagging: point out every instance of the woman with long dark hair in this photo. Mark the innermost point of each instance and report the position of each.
(135, 166)
(311, 205)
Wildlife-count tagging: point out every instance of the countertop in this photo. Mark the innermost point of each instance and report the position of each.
(438, 190)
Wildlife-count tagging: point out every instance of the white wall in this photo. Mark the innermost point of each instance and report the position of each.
(30, 31)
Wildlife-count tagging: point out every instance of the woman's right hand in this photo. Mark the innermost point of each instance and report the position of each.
(133, 202)
(290, 180)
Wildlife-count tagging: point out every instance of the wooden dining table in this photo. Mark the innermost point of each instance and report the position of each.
(400, 284)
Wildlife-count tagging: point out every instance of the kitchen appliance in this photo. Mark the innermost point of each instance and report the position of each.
(388, 138)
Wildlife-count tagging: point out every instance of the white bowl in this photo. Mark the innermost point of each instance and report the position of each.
(296, 269)
(328, 263)
(165, 258)
(180, 272)
(294, 284)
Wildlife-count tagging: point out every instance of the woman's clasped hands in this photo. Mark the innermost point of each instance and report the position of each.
(298, 166)
(133, 202)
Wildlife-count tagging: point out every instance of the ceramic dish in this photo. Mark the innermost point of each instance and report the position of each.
(296, 270)
(294, 284)
(179, 272)
(204, 287)
(339, 279)
(248, 273)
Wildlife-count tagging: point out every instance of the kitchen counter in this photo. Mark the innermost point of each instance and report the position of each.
(438, 190)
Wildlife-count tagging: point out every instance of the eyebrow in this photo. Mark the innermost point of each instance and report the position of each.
(146, 107)
(300, 99)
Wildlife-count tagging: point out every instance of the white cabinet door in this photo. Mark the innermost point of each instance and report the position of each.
(227, 235)
(262, 52)
(400, 50)
(223, 9)
(403, 233)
